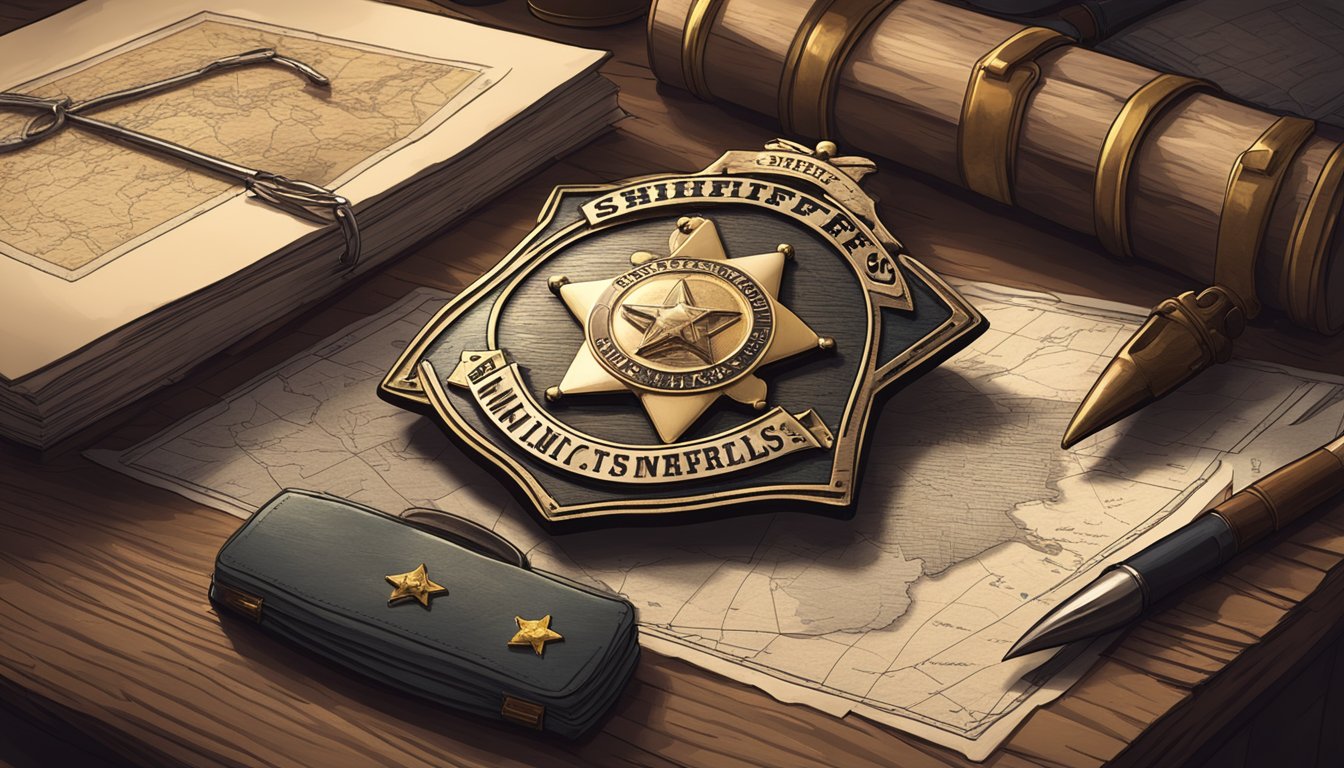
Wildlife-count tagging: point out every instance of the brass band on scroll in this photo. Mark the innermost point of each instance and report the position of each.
(996, 102)
(1119, 150)
(1304, 278)
(816, 56)
(1252, 189)
(694, 40)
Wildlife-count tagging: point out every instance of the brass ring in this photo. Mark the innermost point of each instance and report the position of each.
(1311, 237)
(991, 115)
(700, 17)
(1252, 189)
(1118, 152)
(816, 56)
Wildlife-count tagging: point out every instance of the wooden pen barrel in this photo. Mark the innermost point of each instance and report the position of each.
(1140, 159)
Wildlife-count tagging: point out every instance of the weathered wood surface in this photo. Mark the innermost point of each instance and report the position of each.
(106, 638)
(900, 95)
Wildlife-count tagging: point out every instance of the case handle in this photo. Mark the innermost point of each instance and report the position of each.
(466, 533)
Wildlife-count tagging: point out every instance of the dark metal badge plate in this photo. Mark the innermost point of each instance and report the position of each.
(687, 342)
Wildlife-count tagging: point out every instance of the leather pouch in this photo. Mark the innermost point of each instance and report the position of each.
(321, 571)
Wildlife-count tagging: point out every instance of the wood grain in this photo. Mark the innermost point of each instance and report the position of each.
(900, 95)
(105, 631)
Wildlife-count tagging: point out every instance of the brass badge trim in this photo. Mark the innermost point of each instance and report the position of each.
(814, 189)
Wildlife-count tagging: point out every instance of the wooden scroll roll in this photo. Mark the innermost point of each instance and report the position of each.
(1147, 162)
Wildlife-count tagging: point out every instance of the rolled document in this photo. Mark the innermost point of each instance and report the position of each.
(1139, 158)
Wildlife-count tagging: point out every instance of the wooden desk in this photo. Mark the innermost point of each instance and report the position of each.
(110, 652)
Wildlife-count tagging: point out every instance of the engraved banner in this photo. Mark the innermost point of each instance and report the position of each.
(498, 389)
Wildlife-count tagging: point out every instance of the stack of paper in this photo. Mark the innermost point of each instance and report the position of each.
(120, 270)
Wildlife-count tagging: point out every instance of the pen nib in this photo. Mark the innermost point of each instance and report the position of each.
(1182, 337)
(1119, 391)
(1110, 602)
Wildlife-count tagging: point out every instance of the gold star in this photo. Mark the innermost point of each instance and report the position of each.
(678, 323)
(414, 585)
(685, 329)
(534, 633)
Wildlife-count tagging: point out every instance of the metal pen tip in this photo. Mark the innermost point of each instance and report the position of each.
(1110, 602)
(1119, 391)
(1183, 336)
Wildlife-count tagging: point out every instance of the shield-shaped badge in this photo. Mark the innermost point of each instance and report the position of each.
(687, 342)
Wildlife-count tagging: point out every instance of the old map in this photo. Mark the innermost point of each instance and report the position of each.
(75, 202)
(972, 521)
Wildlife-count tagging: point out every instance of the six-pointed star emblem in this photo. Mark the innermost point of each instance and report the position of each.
(678, 368)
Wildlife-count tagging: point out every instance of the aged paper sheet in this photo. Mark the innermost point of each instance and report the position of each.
(972, 521)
